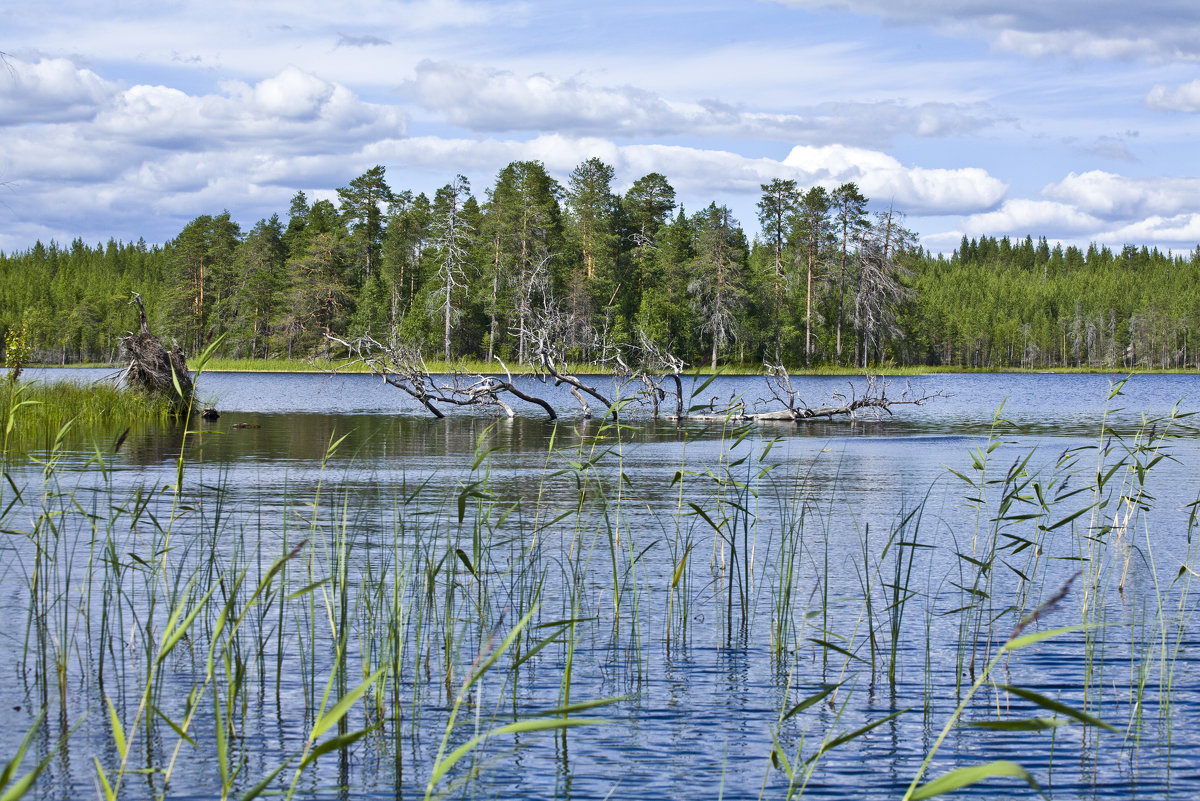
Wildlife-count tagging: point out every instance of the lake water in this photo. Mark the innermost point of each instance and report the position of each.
(718, 576)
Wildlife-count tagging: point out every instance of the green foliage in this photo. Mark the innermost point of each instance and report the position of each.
(16, 352)
(35, 413)
(826, 285)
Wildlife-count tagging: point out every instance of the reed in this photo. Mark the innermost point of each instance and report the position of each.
(38, 414)
(421, 631)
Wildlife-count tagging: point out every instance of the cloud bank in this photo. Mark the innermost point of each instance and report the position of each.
(1083, 29)
(493, 101)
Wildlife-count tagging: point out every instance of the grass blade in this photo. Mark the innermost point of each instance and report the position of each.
(965, 777)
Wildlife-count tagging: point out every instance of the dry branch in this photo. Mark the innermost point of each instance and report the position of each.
(405, 369)
(874, 398)
(547, 360)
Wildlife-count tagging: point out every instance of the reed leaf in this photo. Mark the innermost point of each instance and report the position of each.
(1057, 706)
(328, 718)
(12, 790)
(965, 777)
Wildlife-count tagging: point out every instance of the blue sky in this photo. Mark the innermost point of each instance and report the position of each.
(1076, 120)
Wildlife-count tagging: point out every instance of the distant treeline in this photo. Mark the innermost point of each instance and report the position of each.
(826, 283)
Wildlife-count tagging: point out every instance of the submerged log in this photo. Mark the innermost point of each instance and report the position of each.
(153, 367)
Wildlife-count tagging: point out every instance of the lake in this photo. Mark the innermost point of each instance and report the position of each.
(744, 610)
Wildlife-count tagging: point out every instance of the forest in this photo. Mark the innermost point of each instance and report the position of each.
(826, 282)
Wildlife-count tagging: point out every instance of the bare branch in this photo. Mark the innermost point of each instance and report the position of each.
(546, 360)
(873, 399)
(405, 369)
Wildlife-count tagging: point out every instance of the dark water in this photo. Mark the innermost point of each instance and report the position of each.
(697, 713)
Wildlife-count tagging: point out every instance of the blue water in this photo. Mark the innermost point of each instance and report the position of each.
(699, 712)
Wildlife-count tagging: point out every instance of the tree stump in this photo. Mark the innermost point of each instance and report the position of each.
(154, 368)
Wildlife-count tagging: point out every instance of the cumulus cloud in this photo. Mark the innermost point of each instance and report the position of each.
(152, 150)
(1181, 98)
(1182, 230)
(288, 111)
(50, 90)
(1095, 206)
(1115, 197)
(918, 189)
(713, 174)
(1155, 29)
(490, 100)
(1021, 216)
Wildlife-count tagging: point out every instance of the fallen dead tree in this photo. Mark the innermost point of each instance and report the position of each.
(154, 368)
(657, 365)
(873, 400)
(548, 363)
(404, 368)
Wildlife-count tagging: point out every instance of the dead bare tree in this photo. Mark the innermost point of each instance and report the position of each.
(546, 360)
(657, 364)
(873, 399)
(404, 368)
(452, 232)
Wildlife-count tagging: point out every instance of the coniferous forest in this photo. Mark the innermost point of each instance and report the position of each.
(468, 275)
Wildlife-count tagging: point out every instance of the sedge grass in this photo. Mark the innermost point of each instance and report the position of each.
(36, 411)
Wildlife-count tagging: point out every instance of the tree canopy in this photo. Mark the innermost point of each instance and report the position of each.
(826, 282)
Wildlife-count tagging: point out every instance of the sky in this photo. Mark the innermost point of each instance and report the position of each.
(1076, 120)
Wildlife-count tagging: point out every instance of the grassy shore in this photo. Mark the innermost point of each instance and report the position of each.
(476, 366)
(55, 403)
(35, 415)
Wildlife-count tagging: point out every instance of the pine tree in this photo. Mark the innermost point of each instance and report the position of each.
(718, 274)
(362, 204)
(850, 216)
(813, 234)
(776, 210)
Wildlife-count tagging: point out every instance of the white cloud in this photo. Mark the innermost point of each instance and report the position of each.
(1181, 98)
(291, 111)
(916, 189)
(1181, 230)
(1115, 197)
(1022, 216)
(293, 94)
(50, 90)
(1096, 207)
(145, 159)
(704, 175)
(1153, 29)
(490, 100)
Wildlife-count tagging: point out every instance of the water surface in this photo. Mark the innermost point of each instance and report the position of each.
(700, 705)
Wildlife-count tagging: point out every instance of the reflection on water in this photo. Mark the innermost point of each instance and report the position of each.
(296, 454)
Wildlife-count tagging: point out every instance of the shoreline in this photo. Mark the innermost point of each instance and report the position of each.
(217, 365)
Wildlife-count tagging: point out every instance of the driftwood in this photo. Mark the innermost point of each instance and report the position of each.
(873, 400)
(153, 368)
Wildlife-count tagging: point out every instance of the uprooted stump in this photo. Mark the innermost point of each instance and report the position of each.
(154, 368)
